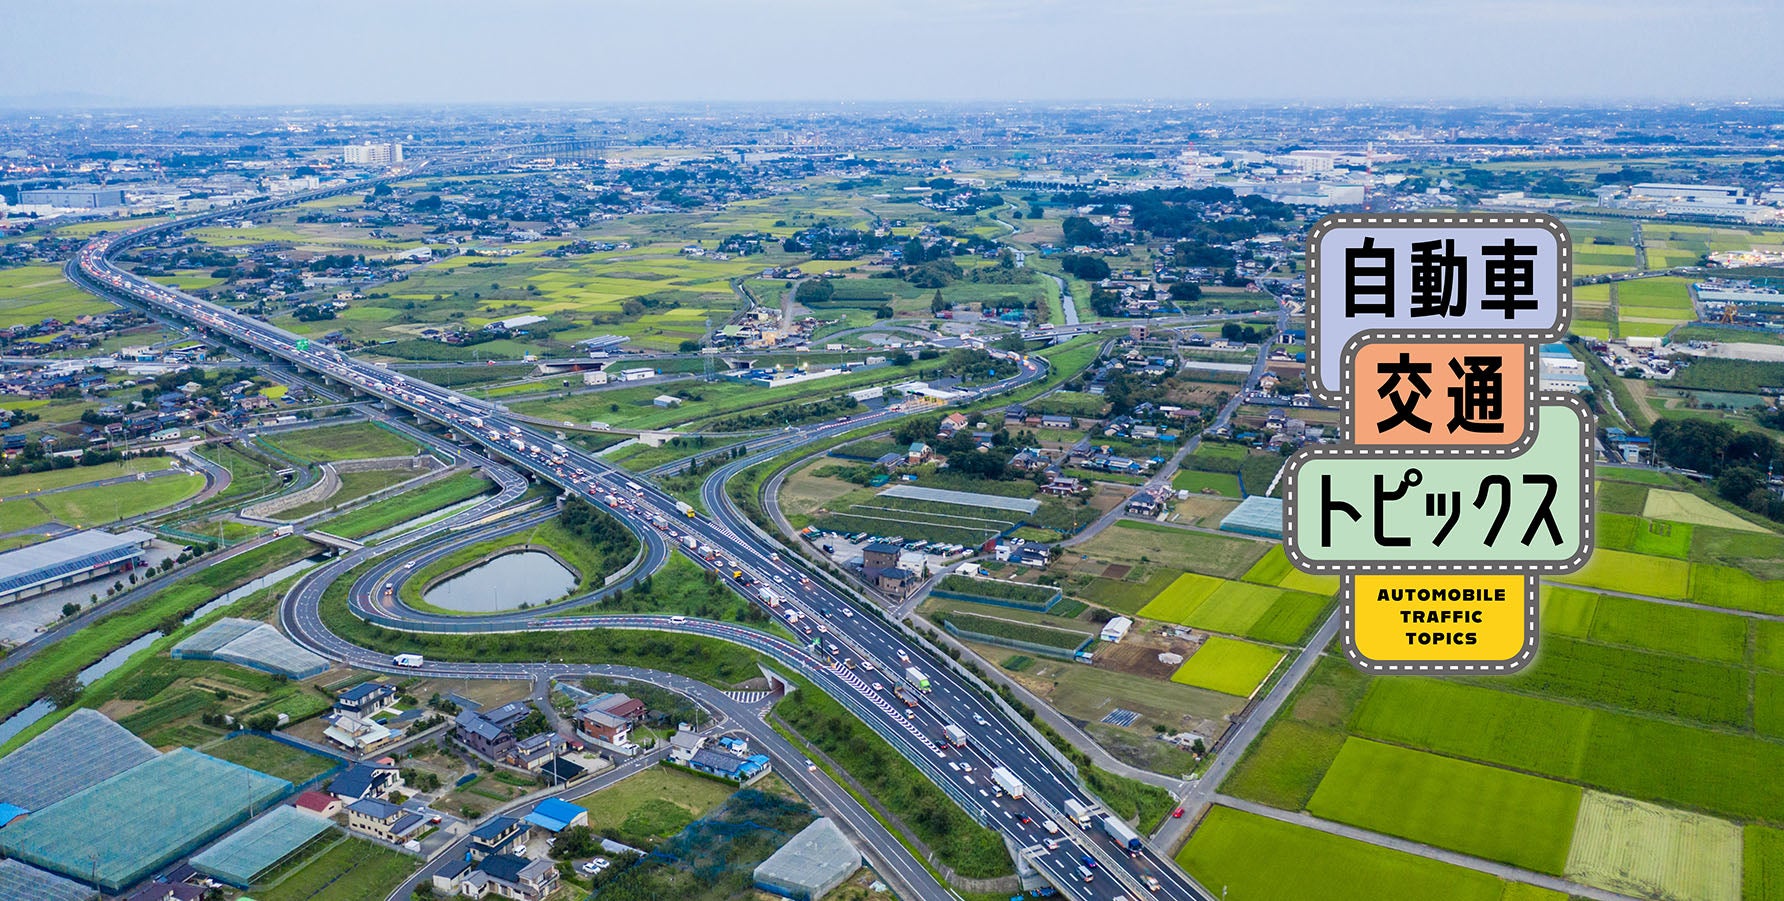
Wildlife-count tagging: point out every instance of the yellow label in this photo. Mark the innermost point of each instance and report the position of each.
(1443, 618)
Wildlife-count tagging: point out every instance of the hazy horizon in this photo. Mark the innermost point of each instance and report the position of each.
(548, 53)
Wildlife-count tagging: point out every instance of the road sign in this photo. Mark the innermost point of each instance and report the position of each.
(1461, 481)
(303, 344)
(1469, 277)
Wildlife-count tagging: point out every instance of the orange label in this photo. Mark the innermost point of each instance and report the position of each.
(1439, 393)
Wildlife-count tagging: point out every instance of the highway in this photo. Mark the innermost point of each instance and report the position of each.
(844, 645)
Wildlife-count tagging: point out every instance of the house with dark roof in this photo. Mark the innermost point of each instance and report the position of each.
(494, 836)
(530, 753)
(383, 820)
(366, 780)
(366, 698)
(726, 765)
(483, 736)
(501, 875)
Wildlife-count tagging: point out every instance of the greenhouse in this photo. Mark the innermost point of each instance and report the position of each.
(241, 857)
(172, 804)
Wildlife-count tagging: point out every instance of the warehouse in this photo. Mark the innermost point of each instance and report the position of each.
(73, 198)
(815, 861)
(70, 560)
(22, 882)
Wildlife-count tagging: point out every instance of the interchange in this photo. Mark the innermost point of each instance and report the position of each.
(724, 541)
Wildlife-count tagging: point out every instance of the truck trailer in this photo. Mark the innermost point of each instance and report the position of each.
(916, 678)
(956, 735)
(1007, 781)
(1124, 836)
(1078, 812)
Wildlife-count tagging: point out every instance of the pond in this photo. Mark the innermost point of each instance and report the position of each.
(504, 583)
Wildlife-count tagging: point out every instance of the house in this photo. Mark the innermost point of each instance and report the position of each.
(918, 453)
(490, 733)
(1055, 422)
(879, 567)
(684, 744)
(530, 753)
(889, 462)
(366, 698)
(1013, 415)
(554, 815)
(559, 771)
(666, 401)
(1150, 502)
(1116, 629)
(632, 709)
(494, 836)
(320, 803)
(354, 732)
(501, 876)
(1027, 553)
(605, 729)
(366, 780)
(383, 820)
(727, 765)
(1062, 486)
(1031, 459)
(950, 424)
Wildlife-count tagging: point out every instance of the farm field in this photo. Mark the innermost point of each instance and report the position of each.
(653, 805)
(1248, 856)
(33, 293)
(1089, 692)
(350, 441)
(1689, 508)
(1213, 555)
(14, 486)
(1762, 870)
(271, 757)
(1274, 569)
(1634, 573)
(1228, 666)
(1479, 810)
(1654, 852)
(412, 506)
(1262, 612)
(1060, 640)
(351, 870)
(1198, 482)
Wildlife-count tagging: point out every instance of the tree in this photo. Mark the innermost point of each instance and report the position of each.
(1186, 292)
(574, 842)
(64, 692)
(901, 359)
(937, 304)
(1079, 230)
(885, 312)
(70, 609)
(690, 346)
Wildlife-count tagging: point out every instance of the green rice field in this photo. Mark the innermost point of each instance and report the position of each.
(1228, 666)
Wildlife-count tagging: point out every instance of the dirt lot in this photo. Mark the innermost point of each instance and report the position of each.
(1138, 655)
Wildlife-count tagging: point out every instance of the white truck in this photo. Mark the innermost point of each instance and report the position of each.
(956, 735)
(1007, 781)
(1078, 812)
(559, 449)
(407, 660)
(1124, 836)
(916, 678)
(690, 542)
(686, 508)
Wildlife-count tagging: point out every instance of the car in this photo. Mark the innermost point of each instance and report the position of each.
(1053, 844)
(878, 687)
(967, 767)
(518, 850)
(678, 620)
(601, 863)
(1177, 814)
(842, 419)
(809, 765)
(589, 869)
(1026, 821)
(409, 565)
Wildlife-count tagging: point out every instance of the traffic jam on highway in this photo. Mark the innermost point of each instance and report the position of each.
(935, 720)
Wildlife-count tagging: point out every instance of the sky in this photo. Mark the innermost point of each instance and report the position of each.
(553, 52)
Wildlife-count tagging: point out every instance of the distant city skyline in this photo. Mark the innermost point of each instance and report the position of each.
(548, 52)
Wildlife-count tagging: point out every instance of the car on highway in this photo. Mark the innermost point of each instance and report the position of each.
(1177, 814)
(878, 687)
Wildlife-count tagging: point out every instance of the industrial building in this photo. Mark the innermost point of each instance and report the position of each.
(23, 882)
(70, 560)
(809, 865)
(75, 198)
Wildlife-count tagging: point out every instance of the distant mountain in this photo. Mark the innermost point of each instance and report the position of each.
(61, 100)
